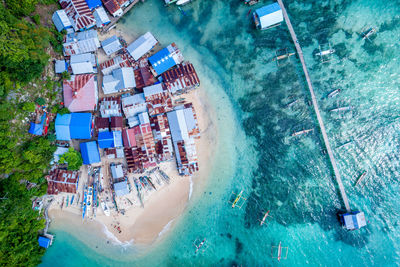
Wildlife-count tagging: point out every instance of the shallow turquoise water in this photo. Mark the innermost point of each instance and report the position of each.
(289, 176)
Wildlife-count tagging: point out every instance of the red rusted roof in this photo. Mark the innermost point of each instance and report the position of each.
(182, 77)
(117, 122)
(79, 12)
(62, 181)
(111, 5)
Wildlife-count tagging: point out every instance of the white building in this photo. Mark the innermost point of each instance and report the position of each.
(268, 16)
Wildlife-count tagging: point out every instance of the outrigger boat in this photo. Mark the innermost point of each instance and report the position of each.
(292, 103)
(302, 132)
(362, 176)
(236, 202)
(264, 218)
(105, 208)
(199, 245)
(325, 53)
(341, 109)
(280, 253)
(72, 199)
(84, 204)
(67, 201)
(367, 34)
(334, 93)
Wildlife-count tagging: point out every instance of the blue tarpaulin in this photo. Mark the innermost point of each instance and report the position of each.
(37, 128)
(92, 4)
(44, 241)
(62, 127)
(81, 126)
(162, 61)
(90, 152)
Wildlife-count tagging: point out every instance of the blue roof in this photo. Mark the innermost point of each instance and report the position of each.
(37, 128)
(62, 127)
(90, 152)
(162, 61)
(106, 139)
(265, 10)
(61, 66)
(81, 125)
(44, 241)
(92, 4)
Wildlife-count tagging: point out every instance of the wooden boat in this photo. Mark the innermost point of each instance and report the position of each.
(264, 218)
(182, 2)
(362, 176)
(201, 244)
(67, 201)
(292, 103)
(302, 132)
(72, 199)
(341, 109)
(251, 2)
(280, 252)
(236, 202)
(325, 52)
(367, 34)
(334, 93)
(84, 204)
(105, 208)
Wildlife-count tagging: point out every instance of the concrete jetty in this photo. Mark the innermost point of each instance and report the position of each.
(316, 109)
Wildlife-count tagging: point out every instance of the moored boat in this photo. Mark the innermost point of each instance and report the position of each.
(105, 208)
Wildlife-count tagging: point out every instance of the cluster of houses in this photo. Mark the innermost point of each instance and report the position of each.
(134, 115)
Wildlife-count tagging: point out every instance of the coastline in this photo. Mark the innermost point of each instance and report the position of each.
(164, 207)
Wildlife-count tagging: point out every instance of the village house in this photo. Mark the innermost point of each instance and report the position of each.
(268, 16)
(116, 171)
(101, 17)
(62, 181)
(181, 79)
(142, 46)
(114, 153)
(83, 63)
(79, 14)
(110, 139)
(61, 21)
(81, 42)
(80, 93)
(110, 107)
(184, 128)
(162, 137)
(143, 75)
(90, 152)
(165, 59)
(73, 126)
(122, 79)
(113, 7)
(111, 45)
(132, 105)
(116, 123)
(158, 99)
(121, 189)
(93, 4)
(102, 124)
(117, 62)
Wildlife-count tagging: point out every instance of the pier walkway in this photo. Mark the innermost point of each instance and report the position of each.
(316, 109)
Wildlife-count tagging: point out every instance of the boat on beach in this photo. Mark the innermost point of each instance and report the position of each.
(84, 204)
(105, 208)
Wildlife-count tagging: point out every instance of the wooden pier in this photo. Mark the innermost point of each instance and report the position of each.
(114, 20)
(316, 109)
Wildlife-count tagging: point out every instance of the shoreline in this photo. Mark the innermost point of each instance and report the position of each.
(164, 208)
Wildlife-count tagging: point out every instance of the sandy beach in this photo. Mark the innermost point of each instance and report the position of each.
(163, 207)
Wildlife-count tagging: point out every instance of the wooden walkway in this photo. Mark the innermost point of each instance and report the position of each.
(315, 104)
(114, 20)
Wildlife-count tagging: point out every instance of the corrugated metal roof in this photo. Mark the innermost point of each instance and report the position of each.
(116, 171)
(61, 20)
(106, 139)
(110, 107)
(79, 13)
(144, 118)
(44, 241)
(92, 4)
(111, 45)
(37, 128)
(101, 17)
(62, 127)
(153, 90)
(265, 10)
(142, 45)
(61, 66)
(113, 7)
(83, 63)
(120, 80)
(117, 138)
(81, 42)
(90, 152)
(121, 188)
(81, 125)
(165, 59)
(182, 77)
(80, 93)
(133, 105)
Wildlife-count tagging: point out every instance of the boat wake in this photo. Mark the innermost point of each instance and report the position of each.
(114, 239)
(165, 228)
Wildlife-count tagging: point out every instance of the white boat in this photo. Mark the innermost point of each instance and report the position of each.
(334, 93)
(325, 53)
(341, 109)
(182, 2)
(105, 208)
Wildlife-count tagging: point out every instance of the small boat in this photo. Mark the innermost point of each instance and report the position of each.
(264, 218)
(198, 247)
(251, 2)
(150, 182)
(280, 252)
(334, 93)
(292, 103)
(67, 201)
(368, 33)
(62, 202)
(182, 2)
(326, 52)
(105, 208)
(237, 200)
(84, 204)
(302, 132)
(341, 109)
(362, 176)
(72, 199)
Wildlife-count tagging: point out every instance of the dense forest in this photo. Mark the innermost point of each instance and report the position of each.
(24, 159)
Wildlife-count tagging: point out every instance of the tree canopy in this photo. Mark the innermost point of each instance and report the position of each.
(73, 158)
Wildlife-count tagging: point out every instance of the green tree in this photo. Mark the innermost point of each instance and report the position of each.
(40, 101)
(73, 158)
(21, 7)
(65, 75)
(29, 106)
(63, 111)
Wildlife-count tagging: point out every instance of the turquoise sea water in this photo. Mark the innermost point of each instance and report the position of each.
(289, 176)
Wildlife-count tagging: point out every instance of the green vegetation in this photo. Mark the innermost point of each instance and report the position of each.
(73, 158)
(65, 75)
(24, 159)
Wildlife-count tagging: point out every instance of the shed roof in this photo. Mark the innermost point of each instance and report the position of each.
(62, 127)
(81, 125)
(83, 63)
(44, 241)
(101, 17)
(111, 45)
(61, 20)
(116, 171)
(92, 4)
(142, 45)
(61, 66)
(165, 59)
(90, 152)
(121, 188)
